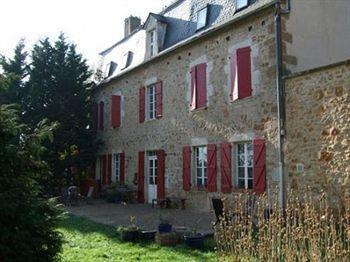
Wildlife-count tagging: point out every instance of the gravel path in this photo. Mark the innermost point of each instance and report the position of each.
(146, 216)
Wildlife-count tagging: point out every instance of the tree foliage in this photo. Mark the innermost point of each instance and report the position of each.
(57, 87)
(27, 219)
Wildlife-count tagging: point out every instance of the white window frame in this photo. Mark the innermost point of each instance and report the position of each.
(246, 165)
(204, 167)
(204, 12)
(151, 102)
(241, 4)
(116, 168)
(152, 161)
(152, 42)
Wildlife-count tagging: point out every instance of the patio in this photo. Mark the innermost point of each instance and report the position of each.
(146, 216)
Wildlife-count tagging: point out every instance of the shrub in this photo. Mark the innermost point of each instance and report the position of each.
(27, 218)
(309, 229)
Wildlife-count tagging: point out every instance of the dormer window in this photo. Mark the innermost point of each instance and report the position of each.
(110, 68)
(202, 18)
(152, 42)
(126, 59)
(240, 4)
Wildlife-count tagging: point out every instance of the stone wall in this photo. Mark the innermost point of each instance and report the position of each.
(243, 120)
(317, 149)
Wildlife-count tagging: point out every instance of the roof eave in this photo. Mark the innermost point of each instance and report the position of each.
(190, 40)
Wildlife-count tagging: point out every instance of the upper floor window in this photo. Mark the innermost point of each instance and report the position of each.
(201, 165)
(202, 18)
(198, 86)
(110, 68)
(151, 102)
(240, 4)
(153, 44)
(240, 75)
(244, 162)
(126, 60)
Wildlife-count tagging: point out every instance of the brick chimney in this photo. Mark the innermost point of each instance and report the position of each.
(130, 24)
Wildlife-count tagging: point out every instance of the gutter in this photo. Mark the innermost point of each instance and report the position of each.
(189, 41)
(280, 99)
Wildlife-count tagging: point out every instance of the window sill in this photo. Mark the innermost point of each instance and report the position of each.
(241, 100)
(150, 120)
(199, 109)
(242, 190)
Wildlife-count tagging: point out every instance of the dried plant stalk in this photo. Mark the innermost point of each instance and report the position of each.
(254, 228)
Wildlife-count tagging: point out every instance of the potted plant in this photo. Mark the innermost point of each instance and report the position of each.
(193, 238)
(164, 224)
(130, 232)
(148, 235)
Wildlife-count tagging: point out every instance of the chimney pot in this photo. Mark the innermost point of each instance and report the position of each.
(131, 24)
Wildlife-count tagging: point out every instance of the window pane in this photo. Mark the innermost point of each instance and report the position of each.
(199, 173)
(250, 154)
(241, 160)
(250, 172)
(250, 183)
(240, 149)
(202, 18)
(241, 183)
(241, 3)
(199, 182)
(241, 172)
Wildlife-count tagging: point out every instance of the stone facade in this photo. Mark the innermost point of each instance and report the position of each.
(222, 120)
(317, 149)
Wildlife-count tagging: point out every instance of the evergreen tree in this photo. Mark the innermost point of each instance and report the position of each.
(16, 70)
(59, 89)
(27, 220)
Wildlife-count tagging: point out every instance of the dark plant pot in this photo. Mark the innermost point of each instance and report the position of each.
(148, 235)
(129, 235)
(196, 241)
(164, 228)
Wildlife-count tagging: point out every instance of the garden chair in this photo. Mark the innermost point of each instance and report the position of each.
(72, 195)
(88, 197)
(218, 207)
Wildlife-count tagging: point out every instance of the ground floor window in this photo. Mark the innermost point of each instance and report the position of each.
(152, 168)
(201, 165)
(244, 163)
(116, 169)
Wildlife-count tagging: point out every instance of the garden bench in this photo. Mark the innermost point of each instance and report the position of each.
(161, 202)
(177, 200)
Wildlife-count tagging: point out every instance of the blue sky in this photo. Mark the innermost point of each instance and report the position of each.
(92, 24)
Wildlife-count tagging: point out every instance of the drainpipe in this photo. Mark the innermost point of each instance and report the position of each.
(280, 99)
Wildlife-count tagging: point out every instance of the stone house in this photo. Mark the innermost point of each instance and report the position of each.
(189, 106)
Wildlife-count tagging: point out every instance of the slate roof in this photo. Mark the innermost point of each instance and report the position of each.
(180, 18)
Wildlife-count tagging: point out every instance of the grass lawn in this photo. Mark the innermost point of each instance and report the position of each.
(86, 240)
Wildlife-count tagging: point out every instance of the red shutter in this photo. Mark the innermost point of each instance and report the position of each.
(142, 104)
(101, 118)
(259, 166)
(193, 104)
(201, 77)
(233, 76)
(115, 111)
(109, 169)
(159, 99)
(211, 168)
(95, 116)
(225, 166)
(141, 178)
(104, 169)
(186, 168)
(160, 174)
(244, 72)
(122, 168)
